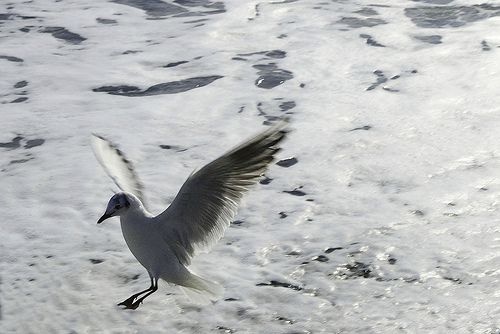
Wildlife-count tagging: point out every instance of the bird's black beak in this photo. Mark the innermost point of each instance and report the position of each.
(103, 218)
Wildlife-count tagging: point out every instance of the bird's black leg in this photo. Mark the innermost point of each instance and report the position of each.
(129, 302)
(152, 289)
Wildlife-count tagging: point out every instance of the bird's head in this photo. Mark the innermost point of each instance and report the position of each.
(119, 204)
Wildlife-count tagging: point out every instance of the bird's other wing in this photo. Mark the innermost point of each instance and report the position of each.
(117, 166)
(208, 200)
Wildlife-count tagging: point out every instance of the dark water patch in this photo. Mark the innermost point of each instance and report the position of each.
(271, 119)
(192, 3)
(399, 279)
(237, 222)
(220, 11)
(354, 270)
(365, 128)
(320, 258)
(13, 59)
(172, 147)
(256, 11)
(419, 213)
(19, 99)
(265, 180)
(450, 16)
(271, 76)
(434, 2)
(105, 21)
(281, 284)
(279, 318)
(332, 249)
(282, 2)
(266, 108)
(173, 87)
(294, 253)
(455, 280)
(485, 46)
(295, 192)
(259, 108)
(175, 64)
(117, 90)
(96, 261)
(16, 143)
(20, 161)
(287, 162)
(196, 21)
(287, 105)
(158, 9)
(380, 79)
(21, 84)
(389, 89)
(131, 52)
(13, 144)
(370, 41)
(218, 7)
(251, 54)
(27, 17)
(34, 143)
(5, 16)
(64, 34)
(431, 39)
(153, 7)
(366, 12)
(354, 22)
(226, 329)
(275, 54)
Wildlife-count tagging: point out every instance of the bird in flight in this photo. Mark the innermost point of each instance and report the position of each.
(196, 219)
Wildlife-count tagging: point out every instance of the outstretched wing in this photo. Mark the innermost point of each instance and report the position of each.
(117, 166)
(208, 200)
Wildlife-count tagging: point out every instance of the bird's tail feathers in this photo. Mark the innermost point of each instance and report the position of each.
(201, 291)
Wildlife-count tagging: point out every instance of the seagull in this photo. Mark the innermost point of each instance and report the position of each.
(196, 219)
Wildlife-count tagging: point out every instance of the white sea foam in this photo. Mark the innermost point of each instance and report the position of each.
(398, 226)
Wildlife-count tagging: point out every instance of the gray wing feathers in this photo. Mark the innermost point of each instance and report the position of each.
(117, 166)
(208, 200)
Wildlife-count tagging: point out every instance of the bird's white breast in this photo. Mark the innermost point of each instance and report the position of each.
(147, 245)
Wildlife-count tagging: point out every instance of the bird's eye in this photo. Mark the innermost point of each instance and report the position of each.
(117, 206)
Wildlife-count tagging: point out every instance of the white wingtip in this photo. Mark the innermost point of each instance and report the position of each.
(116, 166)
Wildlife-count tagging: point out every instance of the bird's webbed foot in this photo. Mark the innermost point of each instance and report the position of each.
(129, 303)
